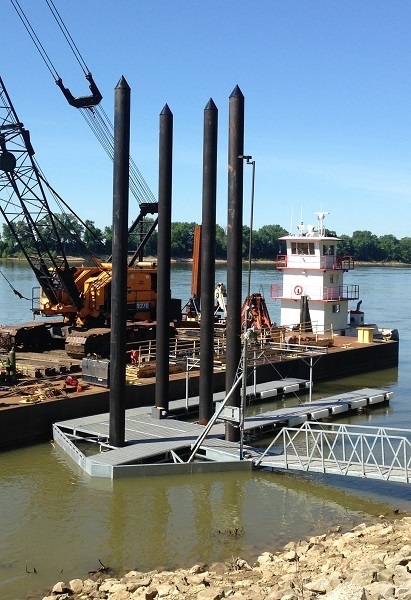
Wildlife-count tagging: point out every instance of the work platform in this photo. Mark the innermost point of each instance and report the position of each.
(157, 446)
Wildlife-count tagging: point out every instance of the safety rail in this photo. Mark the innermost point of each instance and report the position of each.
(355, 450)
(315, 293)
(178, 349)
(298, 261)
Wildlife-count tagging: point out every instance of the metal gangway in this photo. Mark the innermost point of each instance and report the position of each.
(355, 450)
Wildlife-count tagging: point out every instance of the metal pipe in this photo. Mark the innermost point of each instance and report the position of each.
(251, 162)
(164, 257)
(234, 248)
(208, 262)
(119, 263)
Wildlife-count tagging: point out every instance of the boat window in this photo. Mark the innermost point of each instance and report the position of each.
(306, 248)
(328, 250)
(336, 308)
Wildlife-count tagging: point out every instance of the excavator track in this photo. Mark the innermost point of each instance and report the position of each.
(96, 341)
(33, 335)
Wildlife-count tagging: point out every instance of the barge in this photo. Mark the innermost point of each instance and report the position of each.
(318, 339)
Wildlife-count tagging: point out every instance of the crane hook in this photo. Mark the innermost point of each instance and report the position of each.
(82, 101)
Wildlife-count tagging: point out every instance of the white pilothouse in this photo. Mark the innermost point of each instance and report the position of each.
(314, 274)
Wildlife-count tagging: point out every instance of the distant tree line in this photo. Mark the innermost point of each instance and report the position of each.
(75, 238)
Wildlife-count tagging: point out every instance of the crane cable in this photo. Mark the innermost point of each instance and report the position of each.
(102, 128)
(96, 118)
(35, 39)
(67, 36)
(14, 289)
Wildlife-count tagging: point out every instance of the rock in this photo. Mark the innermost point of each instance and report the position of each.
(346, 591)
(381, 590)
(211, 594)
(89, 586)
(197, 569)
(403, 593)
(364, 577)
(149, 594)
(195, 579)
(75, 585)
(290, 556)
(265, 558)
(120, 595)
(60, 588)
(320, 585)
(165, 590)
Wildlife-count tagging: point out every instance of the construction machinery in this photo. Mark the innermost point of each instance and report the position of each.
(79, 296)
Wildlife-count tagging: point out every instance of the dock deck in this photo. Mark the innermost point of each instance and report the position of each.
(164, 442)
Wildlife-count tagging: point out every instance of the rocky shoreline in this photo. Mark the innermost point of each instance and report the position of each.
(371, 561)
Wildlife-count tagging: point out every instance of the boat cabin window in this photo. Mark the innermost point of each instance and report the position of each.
(306, 248)
(336, 308)
(328, 250)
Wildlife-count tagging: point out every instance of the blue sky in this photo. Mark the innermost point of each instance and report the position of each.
(327, 92)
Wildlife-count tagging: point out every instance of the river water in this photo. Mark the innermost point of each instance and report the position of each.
(57, 524)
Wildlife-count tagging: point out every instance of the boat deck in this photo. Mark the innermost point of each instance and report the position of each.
(150, 440)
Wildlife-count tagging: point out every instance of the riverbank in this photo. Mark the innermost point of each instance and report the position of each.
(371, 561)
(219, 261)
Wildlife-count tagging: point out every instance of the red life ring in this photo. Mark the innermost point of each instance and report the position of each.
(298, 290)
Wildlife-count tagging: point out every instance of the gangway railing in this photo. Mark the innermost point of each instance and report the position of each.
(354, 450)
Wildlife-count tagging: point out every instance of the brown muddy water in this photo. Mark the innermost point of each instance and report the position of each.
(57, 524)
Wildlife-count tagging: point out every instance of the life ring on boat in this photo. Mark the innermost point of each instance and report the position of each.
(298, 290)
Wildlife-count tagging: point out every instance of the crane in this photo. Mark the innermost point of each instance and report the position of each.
(100, 124)
(80, 295)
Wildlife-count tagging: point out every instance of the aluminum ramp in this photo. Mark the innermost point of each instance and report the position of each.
(352, 450)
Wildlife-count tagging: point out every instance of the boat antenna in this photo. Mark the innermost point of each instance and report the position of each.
(321, 228)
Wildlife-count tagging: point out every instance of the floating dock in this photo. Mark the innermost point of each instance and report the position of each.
(158, 446)
(23, 421)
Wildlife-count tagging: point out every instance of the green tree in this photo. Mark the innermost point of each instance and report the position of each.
(220, 243)
(12, 246)
(108, 237)
(366, 246)
(245, 247)
(345, 246)
(266, 242)
(182, 235)
(390, 246)
(151, 246)
(69, 232)
(404, 247)
(93, 239)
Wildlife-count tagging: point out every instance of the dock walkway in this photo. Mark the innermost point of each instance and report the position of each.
(152, 442)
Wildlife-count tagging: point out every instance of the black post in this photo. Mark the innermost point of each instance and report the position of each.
(164, 256)
(119, 263)
(208, 262)
(234, 250)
